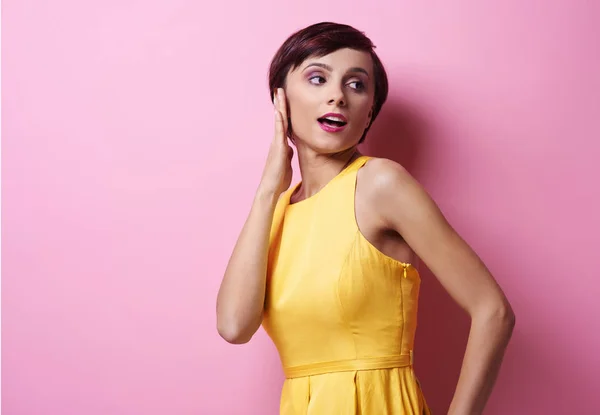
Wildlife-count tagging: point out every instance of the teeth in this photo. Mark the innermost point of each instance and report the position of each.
(334, 119)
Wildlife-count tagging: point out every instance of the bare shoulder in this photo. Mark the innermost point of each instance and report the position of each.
(385, 182)
(382, 172)
(400, 203)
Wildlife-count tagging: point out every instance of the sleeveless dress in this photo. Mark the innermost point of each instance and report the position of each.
(341, 313)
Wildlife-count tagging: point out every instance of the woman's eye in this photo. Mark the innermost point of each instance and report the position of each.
(358, 85)
(316, 79)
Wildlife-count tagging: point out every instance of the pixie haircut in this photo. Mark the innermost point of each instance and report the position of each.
(322, 39)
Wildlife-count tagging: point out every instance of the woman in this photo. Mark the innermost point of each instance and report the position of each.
(325, 266)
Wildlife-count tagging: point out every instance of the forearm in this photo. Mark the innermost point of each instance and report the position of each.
(488, 339)
(242, 294)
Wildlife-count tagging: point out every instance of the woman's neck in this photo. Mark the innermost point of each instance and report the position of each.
(317, 170)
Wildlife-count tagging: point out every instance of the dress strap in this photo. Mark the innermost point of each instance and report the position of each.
(357, 163)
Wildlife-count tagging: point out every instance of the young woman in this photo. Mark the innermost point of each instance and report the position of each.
(326, 265)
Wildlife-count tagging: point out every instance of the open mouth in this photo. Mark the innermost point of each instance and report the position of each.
(333, 123)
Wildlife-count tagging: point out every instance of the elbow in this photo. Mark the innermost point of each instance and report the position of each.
(501, 316)
(511, 319)
(232, 336)
(235, 332)
(507, 321)
(507, 316)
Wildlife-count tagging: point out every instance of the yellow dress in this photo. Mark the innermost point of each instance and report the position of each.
(341, 313)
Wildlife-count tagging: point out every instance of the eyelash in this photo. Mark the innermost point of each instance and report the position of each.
(360, 84)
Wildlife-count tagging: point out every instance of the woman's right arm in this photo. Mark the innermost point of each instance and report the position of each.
(241, 297)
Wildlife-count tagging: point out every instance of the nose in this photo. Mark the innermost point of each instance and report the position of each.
(337, 97)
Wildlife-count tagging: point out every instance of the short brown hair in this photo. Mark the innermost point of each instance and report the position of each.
(322, 39)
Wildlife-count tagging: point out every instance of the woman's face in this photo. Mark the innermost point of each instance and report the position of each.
(339, 83)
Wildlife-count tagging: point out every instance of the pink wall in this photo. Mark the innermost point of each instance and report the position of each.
(134, 134)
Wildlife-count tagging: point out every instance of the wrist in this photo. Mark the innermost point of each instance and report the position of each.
(266, 195)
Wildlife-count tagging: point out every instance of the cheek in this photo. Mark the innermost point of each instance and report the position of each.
(301, 111)
(361, 111)
(364, 108)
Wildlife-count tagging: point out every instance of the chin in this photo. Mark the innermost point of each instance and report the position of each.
(335, 143)
(330, 143)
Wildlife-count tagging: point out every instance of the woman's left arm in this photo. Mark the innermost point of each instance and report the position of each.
(403, 205)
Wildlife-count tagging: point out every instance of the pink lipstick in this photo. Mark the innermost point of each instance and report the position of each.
(333, 122)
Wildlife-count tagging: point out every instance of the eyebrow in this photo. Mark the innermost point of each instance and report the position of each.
(330, 69)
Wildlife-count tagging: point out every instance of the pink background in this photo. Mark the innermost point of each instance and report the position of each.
(134, 135)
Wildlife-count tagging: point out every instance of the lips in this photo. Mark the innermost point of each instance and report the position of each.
(333, 122)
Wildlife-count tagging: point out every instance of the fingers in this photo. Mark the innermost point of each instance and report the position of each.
(281, 105)
(279, 126)
(282, 101)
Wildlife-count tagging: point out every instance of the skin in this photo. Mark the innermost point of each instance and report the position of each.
(393, 211)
